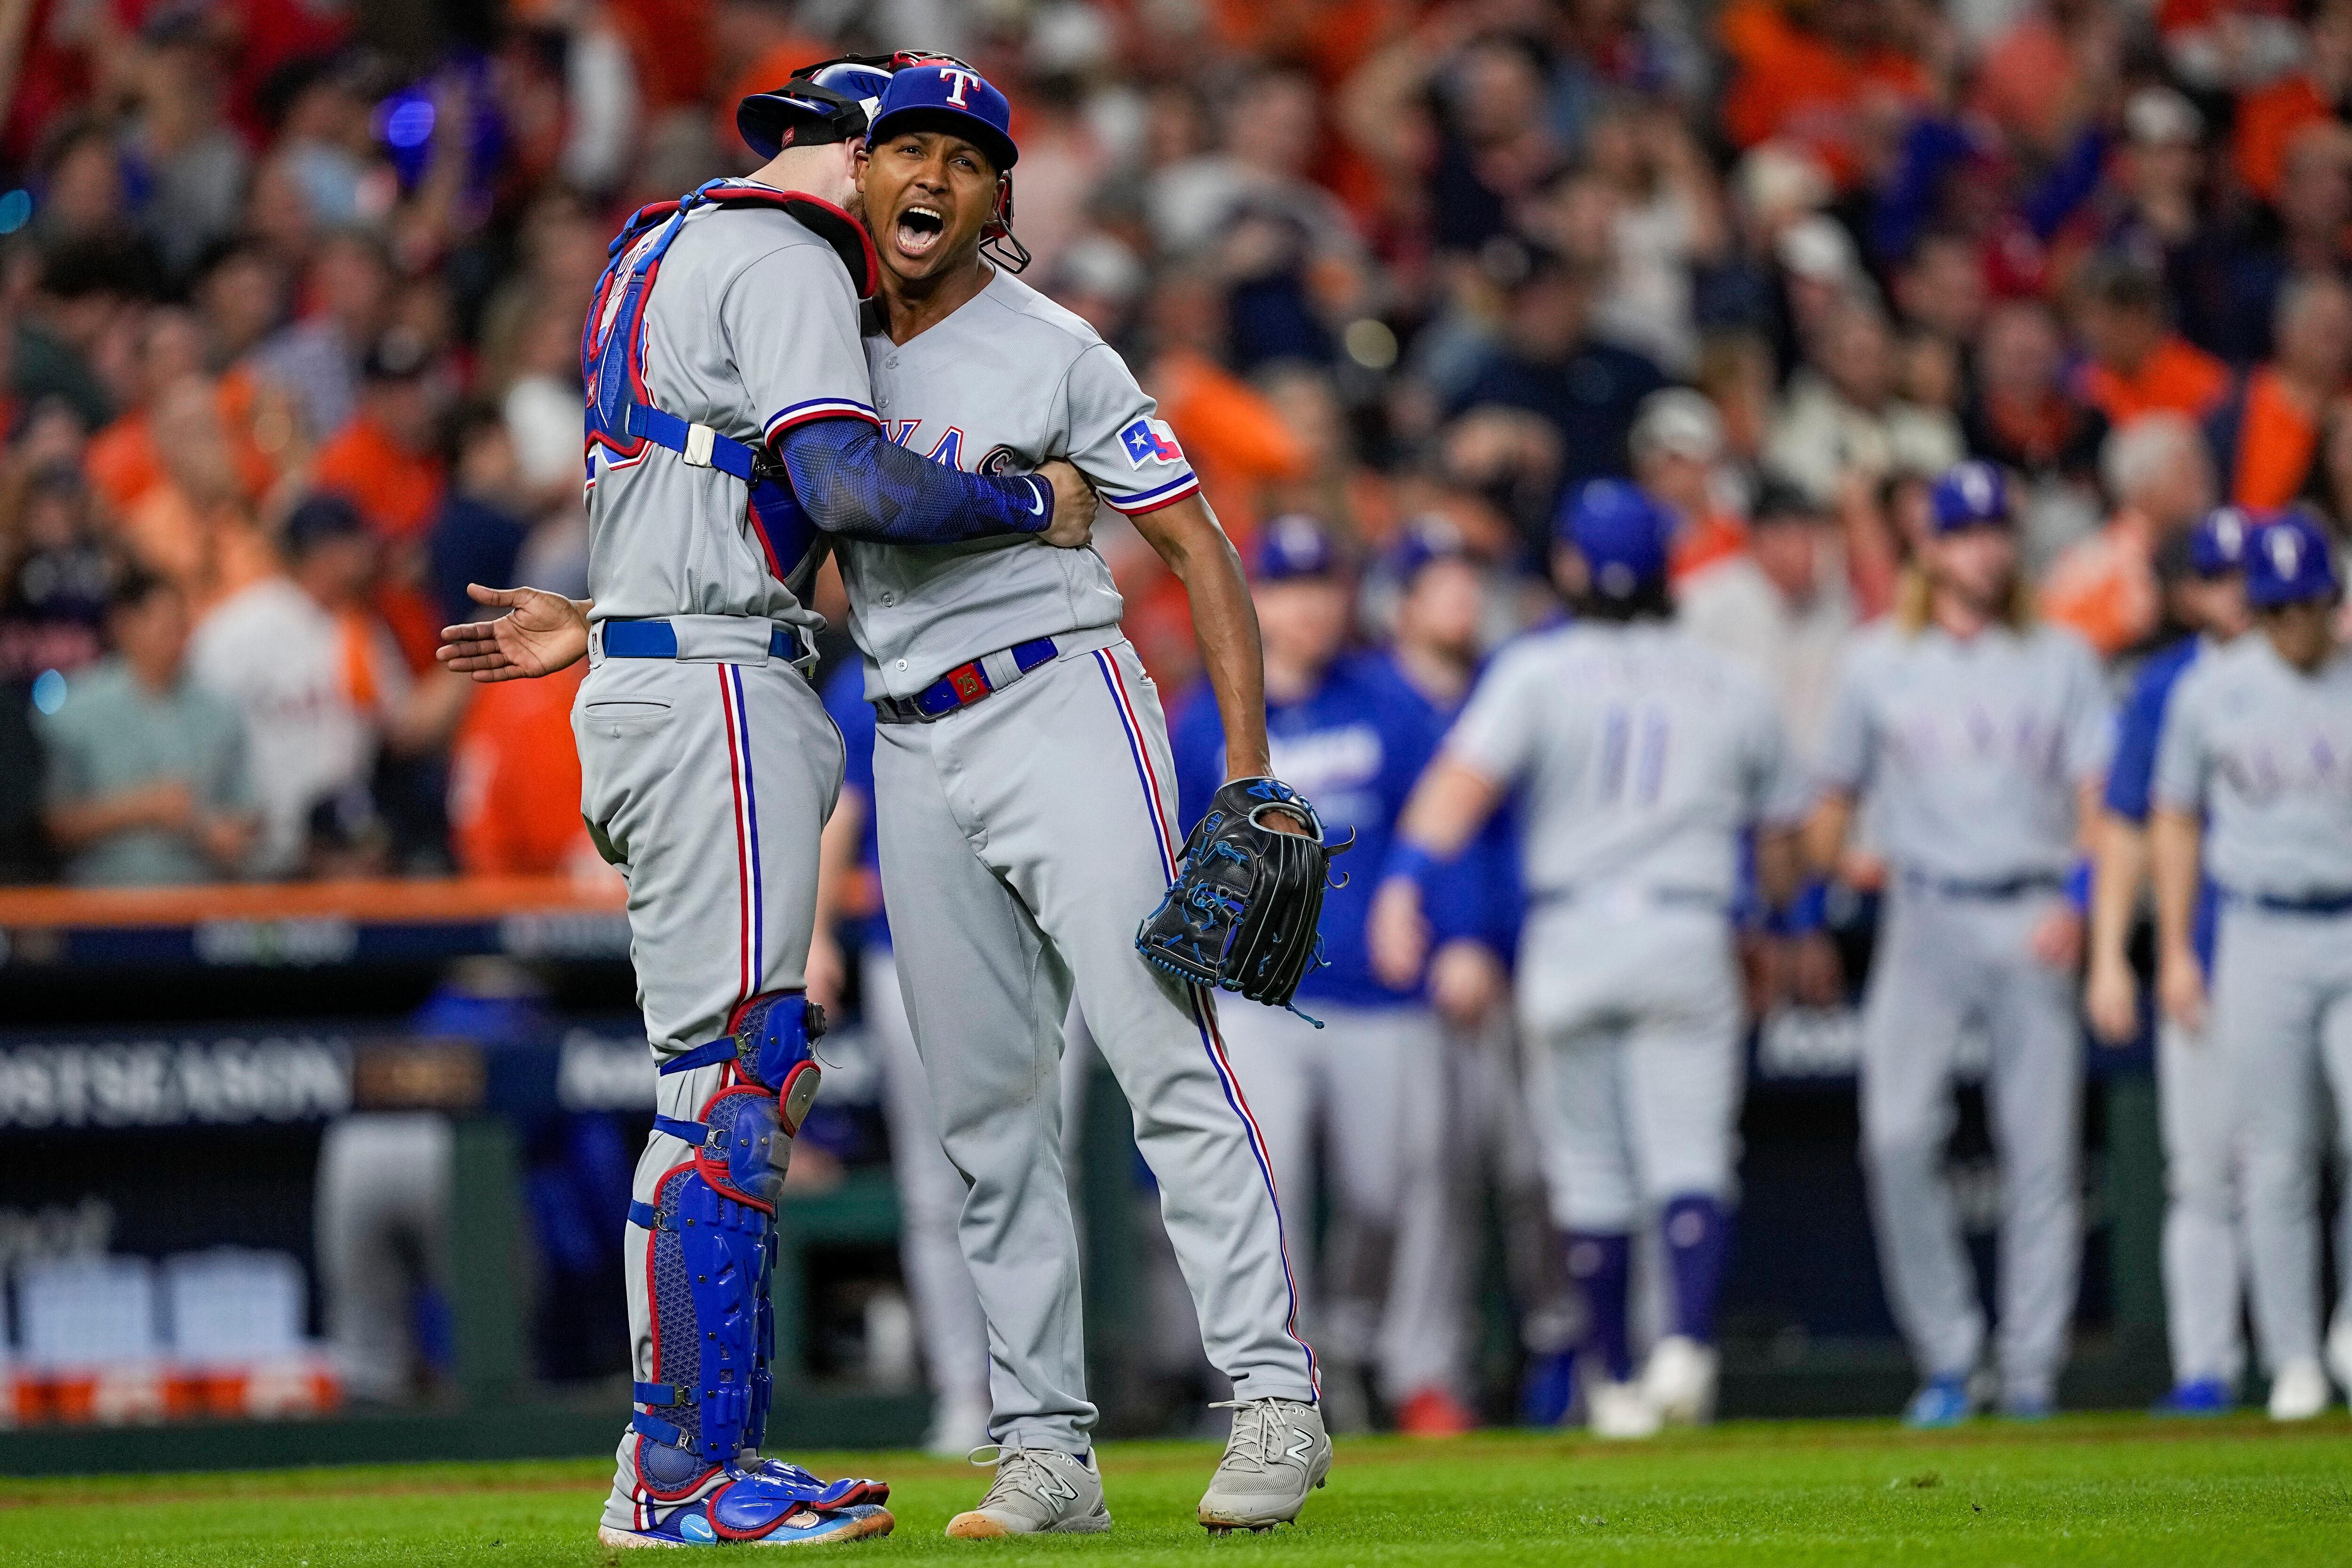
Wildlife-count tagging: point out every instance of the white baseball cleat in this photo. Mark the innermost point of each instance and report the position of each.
(1679, 1381)
(2339, 1350)
(1037, 1491)
(1277, 1454)
(2299, 1390)
(1620, 1410)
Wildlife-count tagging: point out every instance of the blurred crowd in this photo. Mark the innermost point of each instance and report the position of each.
(290, 293)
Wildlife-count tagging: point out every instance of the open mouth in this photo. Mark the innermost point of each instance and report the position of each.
(921, 229)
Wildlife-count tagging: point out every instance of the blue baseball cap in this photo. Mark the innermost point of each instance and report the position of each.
(1968, 495)
(1291, 546)
(1425, 540)
(2216, 544)
(2289, 562)
(950, 91)
(1621, 534)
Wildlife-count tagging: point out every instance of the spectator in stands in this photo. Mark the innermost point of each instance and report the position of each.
(2154, 210)
(2309, 231)
(481, 530)
(385, 458)
(2105, 587)
(2137, 365)
(2328, 488)
(1677, 442)
(2019, 415)
(1550, 365)
(148, 784)
(322, 687)
(317, 359)
(179, 149)
(2264, 438)
(1830, 74)
(1843, 420)
(56, 577)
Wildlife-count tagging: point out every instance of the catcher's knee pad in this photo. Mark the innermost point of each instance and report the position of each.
(768, 1043)
(709, 1256)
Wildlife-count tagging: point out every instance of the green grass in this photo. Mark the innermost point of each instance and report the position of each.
(2079, 1490)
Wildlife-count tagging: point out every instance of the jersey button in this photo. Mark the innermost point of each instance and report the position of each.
(890, 598)
(902, 664)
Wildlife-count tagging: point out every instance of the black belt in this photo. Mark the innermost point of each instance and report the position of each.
(2000, 888)
(2330, 903)
(962, 686)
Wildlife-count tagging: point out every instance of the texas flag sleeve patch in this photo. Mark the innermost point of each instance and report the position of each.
(1150, 440)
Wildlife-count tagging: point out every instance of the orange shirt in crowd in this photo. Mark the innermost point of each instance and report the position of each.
(1717, 537)
(514, 779)
(124, 464)
(2276, 441)
(2268, 120)
(2179, 377)
(208, 551)
(2104, 586)
(1791, 83)
(397, 490)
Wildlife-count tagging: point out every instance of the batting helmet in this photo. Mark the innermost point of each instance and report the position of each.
(1621, 534)
(2288, 561)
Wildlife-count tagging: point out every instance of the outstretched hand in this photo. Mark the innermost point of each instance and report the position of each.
(540, 634)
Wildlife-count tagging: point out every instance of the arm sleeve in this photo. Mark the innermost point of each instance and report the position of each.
(2180, 754)
(1849, 742)
(853, 482)
(1496, 734)
(1116, 439)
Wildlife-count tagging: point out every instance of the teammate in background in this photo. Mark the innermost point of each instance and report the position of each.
(1489, 1142)
(1024, 792)
(930, 1192)
(731, 434)
(2258, 743)
(1644, 757)
(1982, 736)
(1346, 731)
(2201, 1271)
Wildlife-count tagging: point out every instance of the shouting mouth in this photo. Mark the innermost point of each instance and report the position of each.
(919, 230)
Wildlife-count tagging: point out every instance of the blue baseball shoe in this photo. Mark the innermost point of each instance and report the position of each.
(2199, 1396)
(1942, 1401)
(761, 1502)
(1549, 1389)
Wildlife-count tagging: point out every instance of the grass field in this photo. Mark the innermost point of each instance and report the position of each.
(2079, 1490)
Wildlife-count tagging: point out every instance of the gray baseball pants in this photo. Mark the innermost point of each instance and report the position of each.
(707, 783)
(1023, 838)
(1942, 959)
(2203, 1276)
(2282, 1007)
(1372, 1079)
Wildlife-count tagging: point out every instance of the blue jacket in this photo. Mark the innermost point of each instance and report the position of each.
(2130, 776)
(844, 698)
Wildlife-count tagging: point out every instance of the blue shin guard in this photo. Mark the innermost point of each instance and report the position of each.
(711, 1251)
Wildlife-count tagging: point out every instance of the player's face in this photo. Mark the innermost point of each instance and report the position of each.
(1979, 565)
(2216, 606)
(1302, 621)
(1444, 608)
(2304, 634)
(927, 194)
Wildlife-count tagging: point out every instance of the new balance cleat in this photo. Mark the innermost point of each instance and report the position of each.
(1037, 1491)
(1943, 1402)
(1277, 1454)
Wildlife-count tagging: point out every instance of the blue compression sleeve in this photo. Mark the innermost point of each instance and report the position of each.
(856, 483)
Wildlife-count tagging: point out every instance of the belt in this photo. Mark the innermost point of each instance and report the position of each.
(2000, 888)
(2328, 903)
(658, 639)
(966, 684)
(1662, 898)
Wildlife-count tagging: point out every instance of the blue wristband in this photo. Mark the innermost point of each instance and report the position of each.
(2078, 886)
(1412, 861)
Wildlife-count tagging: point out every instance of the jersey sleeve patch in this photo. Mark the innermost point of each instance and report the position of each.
(1150, 440)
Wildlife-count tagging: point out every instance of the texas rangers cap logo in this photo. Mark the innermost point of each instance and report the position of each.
(1151, 441)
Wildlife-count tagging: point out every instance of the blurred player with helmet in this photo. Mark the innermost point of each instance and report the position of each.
(1982, 738)
(2202, 1274)
(1644, 757)
(730, 439)
(2254, 778)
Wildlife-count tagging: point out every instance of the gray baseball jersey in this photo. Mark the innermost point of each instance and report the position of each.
(1022, 839)
(2265, 752)
(752, 328)
(1643, 753)
(1974, 750)
(1007, 381)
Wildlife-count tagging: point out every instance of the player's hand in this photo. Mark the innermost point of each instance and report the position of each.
(2111, 998)
(1465, 981)
(2057, 938)
(540, 634)
(1398, 933)
(2181, 989)
(1073, 507)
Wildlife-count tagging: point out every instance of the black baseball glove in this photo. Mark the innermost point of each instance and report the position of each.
(1243, 911)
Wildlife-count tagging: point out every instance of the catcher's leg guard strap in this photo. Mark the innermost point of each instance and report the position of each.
(768, 1040)
(707, 1258)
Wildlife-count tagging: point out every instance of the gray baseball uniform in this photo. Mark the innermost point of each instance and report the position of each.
(1644, 755)
(1023, 838)
(2265, 752)
(1974, 752)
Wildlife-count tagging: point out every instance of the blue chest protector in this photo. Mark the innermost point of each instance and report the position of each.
(623, 422)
